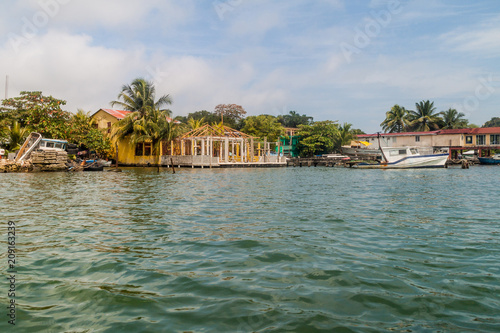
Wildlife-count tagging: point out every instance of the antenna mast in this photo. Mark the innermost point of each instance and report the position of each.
(6, 86)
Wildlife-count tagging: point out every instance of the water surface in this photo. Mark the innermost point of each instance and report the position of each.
(255, 250)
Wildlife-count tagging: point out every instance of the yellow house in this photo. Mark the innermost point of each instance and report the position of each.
(140, 154)
(206, 146)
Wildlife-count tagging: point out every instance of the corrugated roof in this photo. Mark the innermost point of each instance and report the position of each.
(118, 114)
(398, 134)
(472, 131)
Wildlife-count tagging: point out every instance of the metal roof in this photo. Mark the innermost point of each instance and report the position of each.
(118, 114)
(473, 131)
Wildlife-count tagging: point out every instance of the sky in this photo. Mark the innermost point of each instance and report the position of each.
(343, 60)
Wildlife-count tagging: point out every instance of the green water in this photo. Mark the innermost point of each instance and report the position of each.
(254, 250)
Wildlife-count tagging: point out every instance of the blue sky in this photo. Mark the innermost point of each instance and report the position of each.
(342, 60)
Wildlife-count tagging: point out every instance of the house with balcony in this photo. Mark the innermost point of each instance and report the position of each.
(455, 141)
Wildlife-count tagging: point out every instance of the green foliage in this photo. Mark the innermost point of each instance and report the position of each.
(345, 135)
(38, 113)
(453, 119)
(263, 126)
(294, 119)
(357, 131)
(14, 135)
(424, 119)
(230, 111)
(195, 123)
(396, 120)
(207, 116)
(493, 122)
(140, 97)
(84, 133)
(147, 122)
(318, 138)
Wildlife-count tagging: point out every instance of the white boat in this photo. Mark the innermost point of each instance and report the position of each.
(35, 141)
(406, 157)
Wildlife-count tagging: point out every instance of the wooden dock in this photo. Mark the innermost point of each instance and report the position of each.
(339, 161)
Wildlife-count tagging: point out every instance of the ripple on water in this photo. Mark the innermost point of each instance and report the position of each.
(243, 250)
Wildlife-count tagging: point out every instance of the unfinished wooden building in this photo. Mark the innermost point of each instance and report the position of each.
(220, 146)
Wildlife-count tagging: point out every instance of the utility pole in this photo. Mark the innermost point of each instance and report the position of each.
(6, 86)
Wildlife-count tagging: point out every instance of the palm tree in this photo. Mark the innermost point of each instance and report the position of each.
(453, 119)
(147, 122)
(155, 126)
(15, 135)
(424, 119)
(139, 96)
(344, 136)
(396, 120)
(195, 123)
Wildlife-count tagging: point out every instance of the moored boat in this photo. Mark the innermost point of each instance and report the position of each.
(406, 158)
(495, 159)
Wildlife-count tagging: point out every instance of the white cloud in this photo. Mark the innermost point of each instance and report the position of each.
(481, 39)
(68, 67)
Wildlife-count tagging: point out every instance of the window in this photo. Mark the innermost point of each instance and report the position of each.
(109, 127)
(494, 139)
(49, 145)
(147, 149)
(480, 140)
(139, 149)
(417, 138)
(468, 139)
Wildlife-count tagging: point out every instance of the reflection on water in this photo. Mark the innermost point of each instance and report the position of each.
(243, 250)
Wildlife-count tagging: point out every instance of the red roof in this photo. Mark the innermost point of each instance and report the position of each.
(398, 134)
(118, 114)
(485, 130)
(473, 131)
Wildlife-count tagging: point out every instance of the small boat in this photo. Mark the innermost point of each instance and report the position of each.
(35, 141)
(495, 159)
(360, 149)
(92, 165)
(406, 158)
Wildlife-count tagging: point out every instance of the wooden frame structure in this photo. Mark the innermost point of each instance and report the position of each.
(219, 145)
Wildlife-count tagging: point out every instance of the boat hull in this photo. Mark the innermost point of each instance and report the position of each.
(411, 162)
(488, 160)
(360, 151)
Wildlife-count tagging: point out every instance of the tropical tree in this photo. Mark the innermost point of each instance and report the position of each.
(453, 119)
(85, 133)
(263, 126)
(140, 96)
(396, 120)
(424, 119)
(294, 119)
(15, 135)
(233, 113)
(148, 121)
(317, 138)
(155, 126)
(207, 116)
(345, 135)
(195, 123)
(38, 113)
(493, 122)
